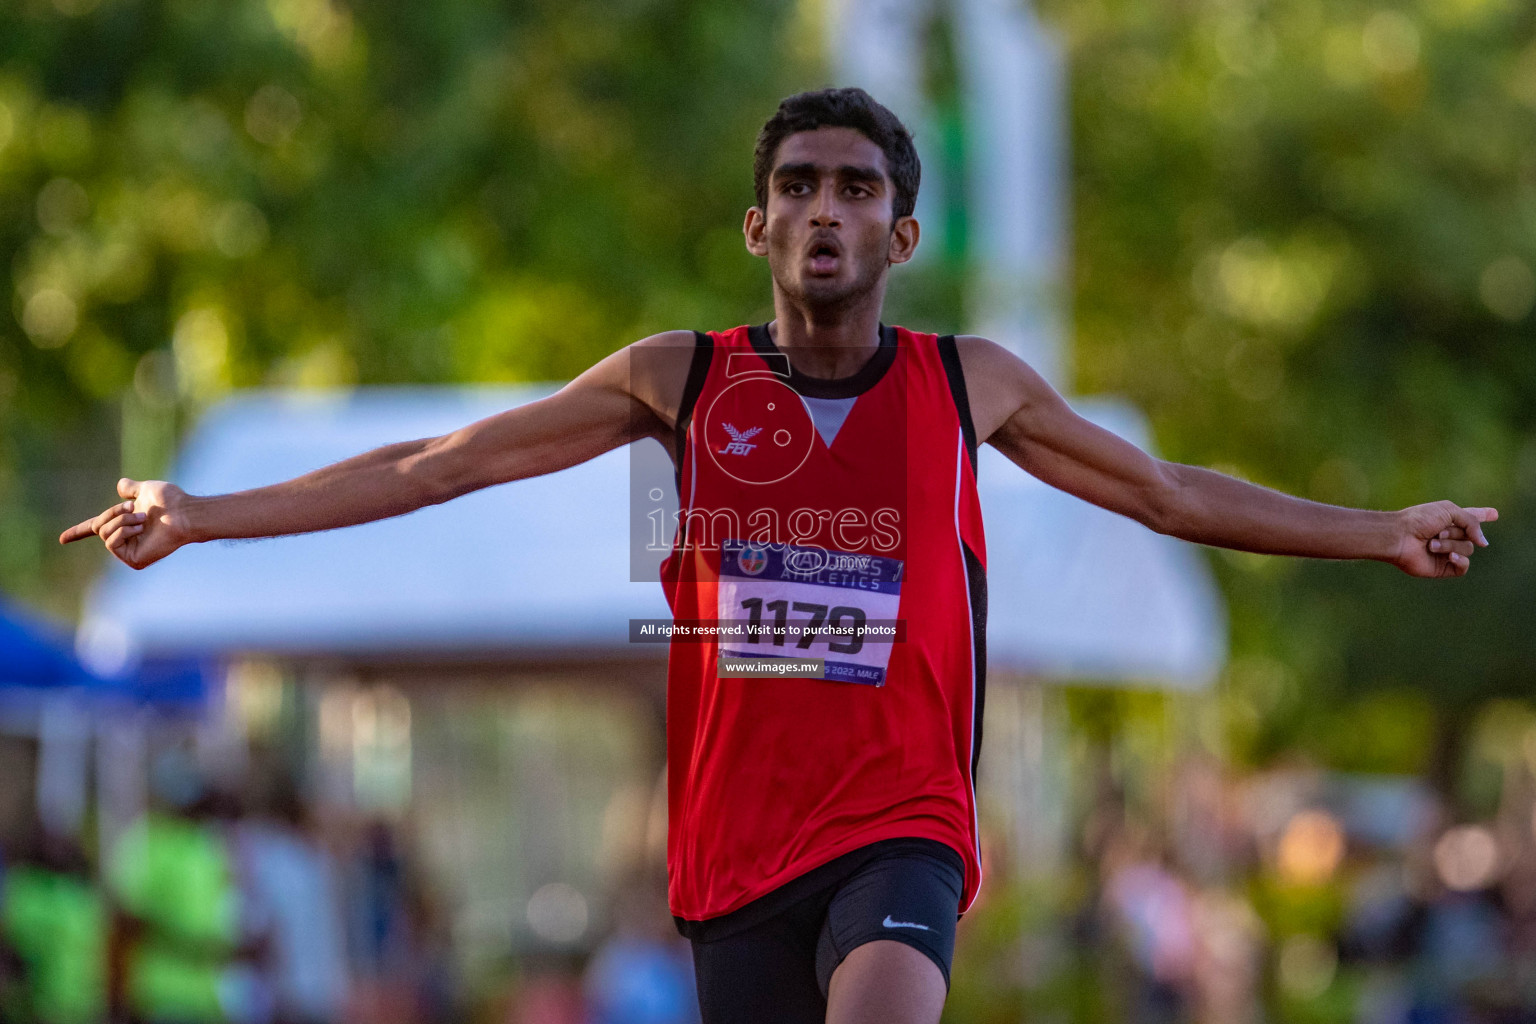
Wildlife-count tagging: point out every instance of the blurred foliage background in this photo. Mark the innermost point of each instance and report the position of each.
(1304, 235)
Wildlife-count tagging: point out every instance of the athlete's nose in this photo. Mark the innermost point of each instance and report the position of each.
(825, 213)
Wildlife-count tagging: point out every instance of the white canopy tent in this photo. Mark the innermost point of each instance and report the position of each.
(542, 568)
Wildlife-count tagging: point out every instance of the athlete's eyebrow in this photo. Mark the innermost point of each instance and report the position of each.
(847, 172)
(803, 170)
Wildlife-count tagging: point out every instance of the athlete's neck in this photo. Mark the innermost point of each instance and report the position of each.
(830, 348)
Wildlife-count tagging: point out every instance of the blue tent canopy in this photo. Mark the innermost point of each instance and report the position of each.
(37, 654)
(37, 657)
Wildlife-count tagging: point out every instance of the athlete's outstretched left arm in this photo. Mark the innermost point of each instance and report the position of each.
(1016, 411)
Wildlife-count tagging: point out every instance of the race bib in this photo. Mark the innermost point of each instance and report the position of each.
(785, 601)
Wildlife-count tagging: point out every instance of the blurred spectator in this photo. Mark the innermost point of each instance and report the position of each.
(1460, 951)
(1379, 915)
(54, 924)
(643, 973)
(548, 991)
(183, 954)
(1153, 912)
(400, 951)
(380, 914)
(1228, 959)
(296, 902)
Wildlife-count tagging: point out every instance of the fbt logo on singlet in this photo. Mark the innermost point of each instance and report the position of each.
(758, 429)
(792, 601)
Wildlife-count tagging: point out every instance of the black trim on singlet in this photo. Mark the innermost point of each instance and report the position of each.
(976, 581)
(698, 371)
(949, 355)
(852, 386)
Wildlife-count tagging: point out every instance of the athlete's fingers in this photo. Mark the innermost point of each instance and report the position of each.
(127, 488)
(100, 522)
(79, 531)
(1453, 533)
(120, 535)
(1459, 565)
(118, 523)
(1472, 520)
(116, 517)
(1442, 547)
(94, 526)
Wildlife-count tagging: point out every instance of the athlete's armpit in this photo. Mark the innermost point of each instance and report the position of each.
(1018, 412)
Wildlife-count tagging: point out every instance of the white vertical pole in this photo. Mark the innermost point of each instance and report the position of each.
(63, 765)
(1013, 82)
(1042, 826)
(878, 46)
(122, 777)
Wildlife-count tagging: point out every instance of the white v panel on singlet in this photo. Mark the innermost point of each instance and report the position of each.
(829, 414)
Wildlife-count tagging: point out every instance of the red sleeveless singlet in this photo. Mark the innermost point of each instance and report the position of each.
(847, 507)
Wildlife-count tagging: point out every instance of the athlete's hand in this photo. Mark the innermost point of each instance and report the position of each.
(143, 529)
(1438, 539)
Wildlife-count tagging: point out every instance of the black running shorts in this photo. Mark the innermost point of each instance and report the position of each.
(772, 960)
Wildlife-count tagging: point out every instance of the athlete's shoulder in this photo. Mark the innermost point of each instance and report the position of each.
(997, 380)
(666, 341)
(978, 355)
(656, 369)
(974, 346)
(984, 358)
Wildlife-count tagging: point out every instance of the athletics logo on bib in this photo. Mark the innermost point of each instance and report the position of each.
(752, 560)
(793, 602)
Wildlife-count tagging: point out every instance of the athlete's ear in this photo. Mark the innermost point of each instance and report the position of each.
(904, 234)
(755, 229)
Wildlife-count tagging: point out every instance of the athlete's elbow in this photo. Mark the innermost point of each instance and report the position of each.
(439, 472)
(1162, 505)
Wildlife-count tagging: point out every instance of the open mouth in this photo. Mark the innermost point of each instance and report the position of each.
(824, 257)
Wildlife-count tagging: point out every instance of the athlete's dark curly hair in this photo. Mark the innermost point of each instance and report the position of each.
(842, 108)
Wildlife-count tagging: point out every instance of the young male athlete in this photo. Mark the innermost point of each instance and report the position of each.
(822, 830)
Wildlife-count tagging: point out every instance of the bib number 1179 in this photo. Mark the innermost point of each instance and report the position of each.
(838, 607)
(845, 621)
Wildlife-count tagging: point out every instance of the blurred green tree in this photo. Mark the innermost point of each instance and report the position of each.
(195, 197)
(1305, 235)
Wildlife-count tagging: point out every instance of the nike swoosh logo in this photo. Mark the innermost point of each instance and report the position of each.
(902, 924)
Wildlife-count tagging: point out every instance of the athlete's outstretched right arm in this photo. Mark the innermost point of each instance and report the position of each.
(619, 400)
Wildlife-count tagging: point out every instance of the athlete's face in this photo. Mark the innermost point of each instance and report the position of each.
(829, 232)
